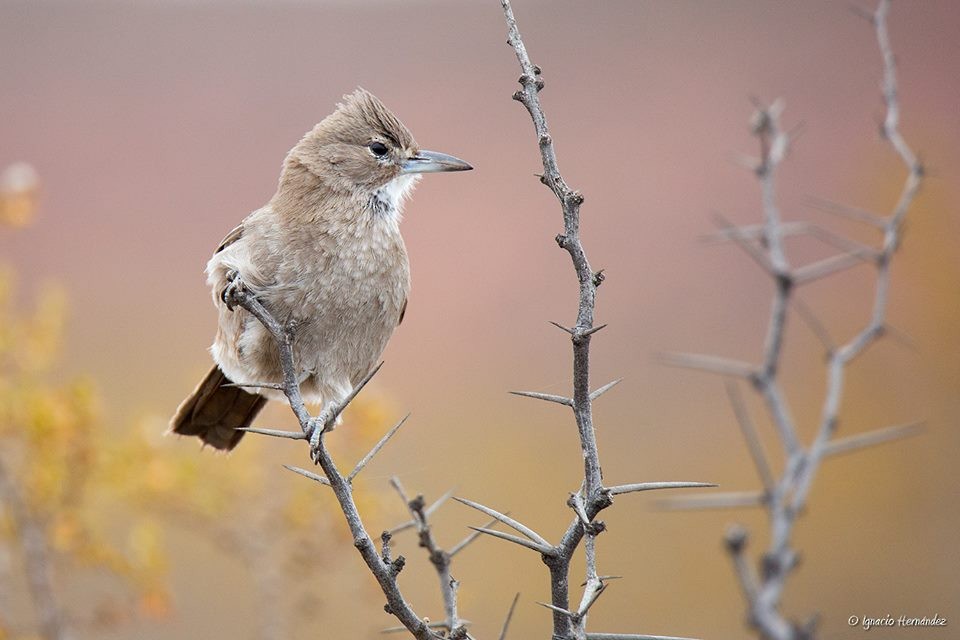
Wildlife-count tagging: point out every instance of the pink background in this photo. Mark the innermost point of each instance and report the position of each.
(156, 126)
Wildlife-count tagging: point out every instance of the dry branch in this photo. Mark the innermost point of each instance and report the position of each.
(592, 497)
(785, 497)
(384, 569)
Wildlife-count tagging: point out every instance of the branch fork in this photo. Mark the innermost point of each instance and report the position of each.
(785, 497)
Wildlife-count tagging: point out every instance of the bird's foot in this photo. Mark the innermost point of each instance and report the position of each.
(235, 291)
(315, 430)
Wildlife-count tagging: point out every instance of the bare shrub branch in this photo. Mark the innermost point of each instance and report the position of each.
(592, 496)
(785, 497)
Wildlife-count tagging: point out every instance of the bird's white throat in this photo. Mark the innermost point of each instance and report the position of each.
(388, 200)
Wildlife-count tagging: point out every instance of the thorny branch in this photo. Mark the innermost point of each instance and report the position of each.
(785, 497)
(592, 497)
(384, 568)
(440, 558)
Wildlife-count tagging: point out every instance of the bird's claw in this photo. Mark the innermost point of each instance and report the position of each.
(315, 430)
(234, 291)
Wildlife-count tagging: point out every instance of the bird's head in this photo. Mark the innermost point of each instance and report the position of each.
(363, 149)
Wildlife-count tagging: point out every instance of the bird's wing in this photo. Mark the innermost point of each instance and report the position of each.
(235, 234)
(403, 312)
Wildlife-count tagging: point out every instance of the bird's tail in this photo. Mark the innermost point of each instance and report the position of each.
(213, 411)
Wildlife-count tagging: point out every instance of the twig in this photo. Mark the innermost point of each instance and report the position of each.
(383, 571)
(593, 497)
(440, 558)
(785, 497)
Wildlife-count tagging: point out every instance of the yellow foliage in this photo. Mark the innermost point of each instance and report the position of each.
(52, 441)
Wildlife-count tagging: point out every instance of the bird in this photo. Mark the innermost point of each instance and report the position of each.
(325, 257)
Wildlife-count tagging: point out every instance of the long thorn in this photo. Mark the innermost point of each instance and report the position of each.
(440, 624)
(255, 385)
(544, 396)
(275, 433)
(593, 598)
(860, 441)
(510, 522)
(506, 622)
(749, 248)
(602, 390)
(308, 474)
(569, 614)
(826, 267)
(376, 448)
(710, 364)
(749, 433)
(460, 546)
(732, 500)
(604, 579)
(844, 211)
(429, 511)
(652, 486)
(629, 636)
(590, 332)
(561, 327)
(353, 394)
(409, 524)
(813, 322)
(543, 550)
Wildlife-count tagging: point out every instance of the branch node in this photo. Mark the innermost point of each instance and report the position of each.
(385, 542)
(397, 565)
(736, 539)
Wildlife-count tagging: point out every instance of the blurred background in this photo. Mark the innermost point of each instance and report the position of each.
(151, 128)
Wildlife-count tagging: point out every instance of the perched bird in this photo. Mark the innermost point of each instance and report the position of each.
(324, 256)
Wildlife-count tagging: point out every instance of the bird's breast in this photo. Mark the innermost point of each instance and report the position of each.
(359, 278)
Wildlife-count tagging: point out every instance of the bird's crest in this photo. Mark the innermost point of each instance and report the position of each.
(361, 114)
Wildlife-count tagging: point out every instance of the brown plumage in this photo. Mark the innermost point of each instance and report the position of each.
(325, 255)
(213, 411)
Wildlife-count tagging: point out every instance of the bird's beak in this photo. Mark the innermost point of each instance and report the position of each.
(433, 162)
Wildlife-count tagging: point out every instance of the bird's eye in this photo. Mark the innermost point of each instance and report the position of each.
(378, 149)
